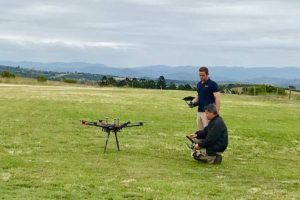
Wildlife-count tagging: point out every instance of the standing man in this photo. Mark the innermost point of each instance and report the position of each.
(208, 93)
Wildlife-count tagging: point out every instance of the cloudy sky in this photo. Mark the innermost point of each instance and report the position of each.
(125, 33)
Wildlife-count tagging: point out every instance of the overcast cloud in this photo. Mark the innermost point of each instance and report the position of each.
(126, 33)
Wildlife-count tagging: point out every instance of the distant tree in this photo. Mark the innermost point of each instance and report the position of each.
(223, 88)
(7, 74)
(142, 83)
(181, 87)
(161, 82)
(121, 83)
(103, 81)
(172, 86)
(151, 84)
(270, 89)
(104, 78)
(135, 83)
(230, 85)
(128, 82)
(188, 87)
(292, 87)
(41, 78)
(111, 81)
(70, 81)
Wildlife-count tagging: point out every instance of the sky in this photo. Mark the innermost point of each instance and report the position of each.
(131, 33)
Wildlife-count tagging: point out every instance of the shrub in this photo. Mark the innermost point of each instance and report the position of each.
(41, 79)
(70, 81)
(7, 74)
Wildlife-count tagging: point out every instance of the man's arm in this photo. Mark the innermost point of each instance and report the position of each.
(196, 134)
(202, 134)
(213, 135)
(217, 100)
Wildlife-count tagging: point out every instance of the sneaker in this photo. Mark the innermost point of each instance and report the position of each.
(195, 155)
(218, 160)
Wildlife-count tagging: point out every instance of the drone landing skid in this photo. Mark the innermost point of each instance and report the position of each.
(117, 141)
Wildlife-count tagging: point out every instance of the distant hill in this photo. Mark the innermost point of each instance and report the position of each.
(80, 77)
(270, 75)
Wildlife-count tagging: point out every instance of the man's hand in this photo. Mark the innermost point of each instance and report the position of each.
(193, 135)
(196, 146)
(192, 104)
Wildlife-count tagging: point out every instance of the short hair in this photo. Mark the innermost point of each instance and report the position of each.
(203, 69)
(211, 108)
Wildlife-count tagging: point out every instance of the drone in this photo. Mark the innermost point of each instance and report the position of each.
(114, 127)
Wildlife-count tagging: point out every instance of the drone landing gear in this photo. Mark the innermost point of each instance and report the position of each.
(117, 141)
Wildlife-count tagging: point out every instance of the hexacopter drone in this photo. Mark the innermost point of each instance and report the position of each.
(114, 127)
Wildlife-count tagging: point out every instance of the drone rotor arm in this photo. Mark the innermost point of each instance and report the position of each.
(88, 123)
(136, 124)
(124, 125)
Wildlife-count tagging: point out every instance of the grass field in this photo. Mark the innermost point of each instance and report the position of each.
(45, 153)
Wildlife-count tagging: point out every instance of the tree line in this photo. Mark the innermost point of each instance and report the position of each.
(255, 89)
(100, 80)
(160, 83)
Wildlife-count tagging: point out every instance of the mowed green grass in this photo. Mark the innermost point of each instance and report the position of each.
(45, 153)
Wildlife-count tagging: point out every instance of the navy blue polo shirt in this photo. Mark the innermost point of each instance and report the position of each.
(206, 93)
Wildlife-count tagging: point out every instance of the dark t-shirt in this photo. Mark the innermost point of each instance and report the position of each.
(206, 93)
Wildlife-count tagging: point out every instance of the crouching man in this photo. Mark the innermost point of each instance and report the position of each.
(211, 142)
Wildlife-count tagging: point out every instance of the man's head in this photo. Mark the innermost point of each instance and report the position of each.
(203, 74)
(210, 111)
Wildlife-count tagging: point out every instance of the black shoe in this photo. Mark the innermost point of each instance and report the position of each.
(218, 160)
(197, 157)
